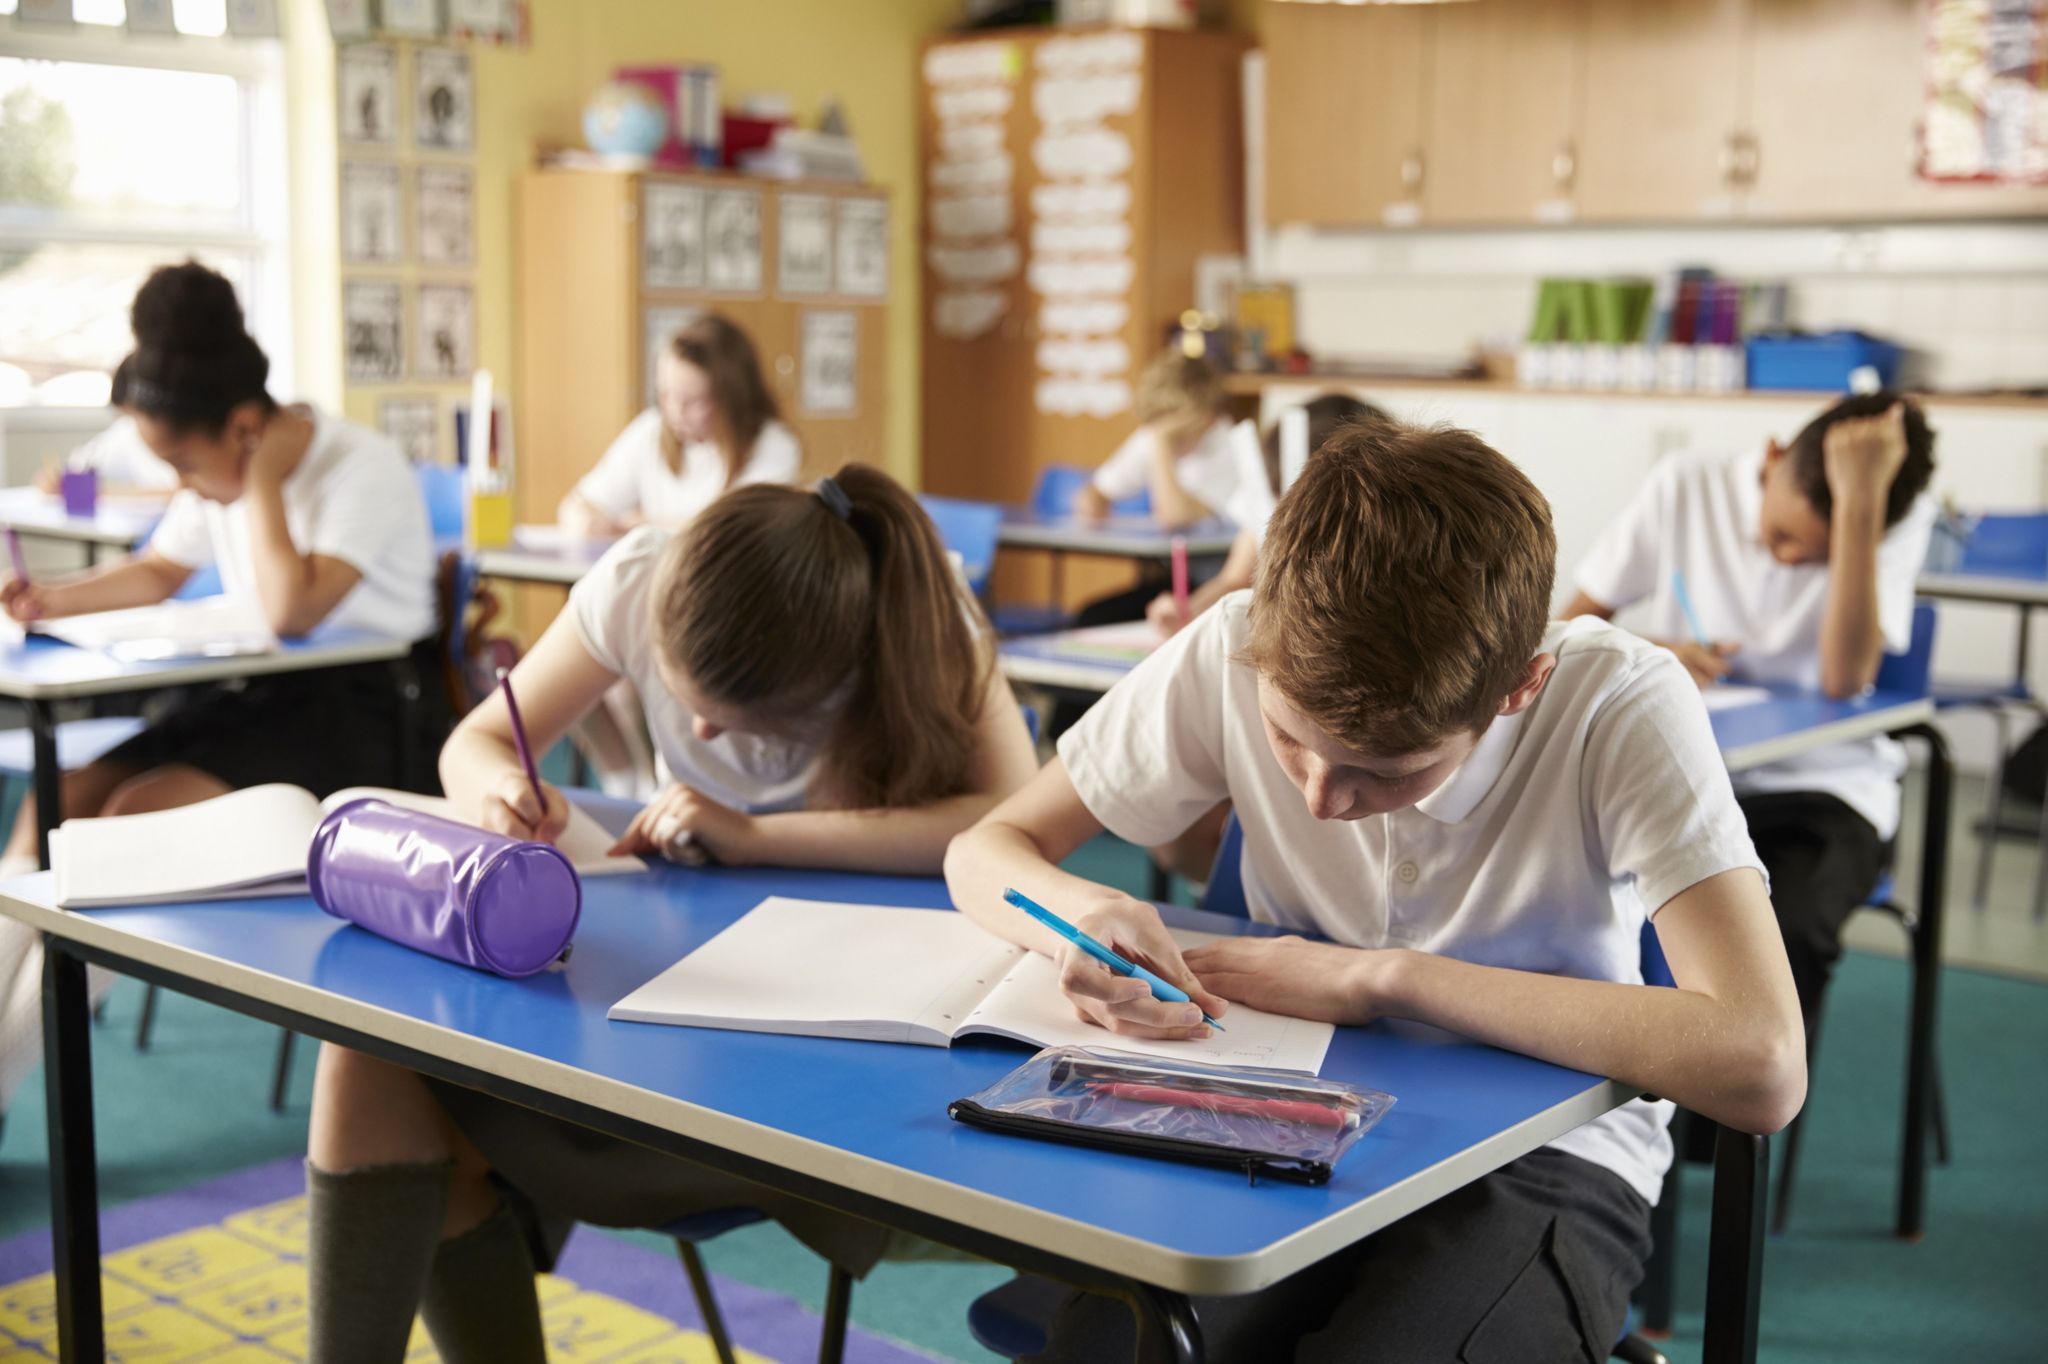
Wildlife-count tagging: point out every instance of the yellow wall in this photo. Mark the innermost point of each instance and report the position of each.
(862, 51)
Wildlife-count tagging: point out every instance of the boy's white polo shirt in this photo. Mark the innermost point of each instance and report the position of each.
(1703, 515)
(1543, 852)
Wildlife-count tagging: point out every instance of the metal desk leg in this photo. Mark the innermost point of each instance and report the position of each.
(1167, 1329)
(1735, 1248)
(74, 1189)
(1926, 983)
(47, 779)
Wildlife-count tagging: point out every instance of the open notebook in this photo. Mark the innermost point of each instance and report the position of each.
(918, 975)
(212, 627)
(246, 843)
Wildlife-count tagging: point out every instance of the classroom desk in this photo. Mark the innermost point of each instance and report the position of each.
(1120, 537)
(40, 672)
(858, 1126)
(1086, 662)
(119, 523)
(541, 554)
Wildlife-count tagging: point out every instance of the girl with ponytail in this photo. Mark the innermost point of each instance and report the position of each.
(822, 690)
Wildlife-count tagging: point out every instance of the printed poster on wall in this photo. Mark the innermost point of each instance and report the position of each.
(411, 18)
(445, 112)
(366, 85)
(370, 214)
(863, 242)
(445, 332)
(671, 236)
(415, 423)
(732, 241)
(442, 206)
(658, 327)
(347, 20)
(804, 239)
(373, 331)
(829, 382)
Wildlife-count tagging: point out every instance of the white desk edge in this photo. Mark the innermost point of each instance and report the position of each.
(211, 670)
(1862, 726)
(1983, 587)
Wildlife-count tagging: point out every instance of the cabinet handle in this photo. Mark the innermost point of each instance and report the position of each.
(1741, 155)
(1564, 165)
(1411, 171)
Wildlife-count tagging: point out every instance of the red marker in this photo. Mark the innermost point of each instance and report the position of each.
(1286, 1110)
(1180, 575)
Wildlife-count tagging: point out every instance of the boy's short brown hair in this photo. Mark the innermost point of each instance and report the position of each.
(1403, 586)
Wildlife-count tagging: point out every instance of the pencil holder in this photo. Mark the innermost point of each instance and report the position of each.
(445, 888)
(490, 520)
(81, 491)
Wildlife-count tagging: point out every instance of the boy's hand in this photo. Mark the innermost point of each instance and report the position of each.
(1864, 454)
(511, 809)
(25, 601)
(1165, 615)
(1292, 976)
(284, 442)
(1124, 1004)
(1708, 664)
(684, 825)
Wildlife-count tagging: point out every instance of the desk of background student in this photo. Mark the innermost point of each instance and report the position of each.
(1121, 537)
(541, 554)
(858, 1126)
(119, 523)
(41, 672)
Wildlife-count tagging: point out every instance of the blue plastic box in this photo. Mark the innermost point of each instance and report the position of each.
(1819, 361)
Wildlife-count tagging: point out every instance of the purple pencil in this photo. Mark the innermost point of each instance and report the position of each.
(519, 738)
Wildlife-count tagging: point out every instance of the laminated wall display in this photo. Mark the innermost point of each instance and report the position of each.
(415, 423)
(373, 325)
(366, 89)
(861, 245)
(732, 241)
(804, 245)
(347, 20)
(372, 231)
(445, 332)
(1085, 89)
(671, 236)
(410, 18)
(969, 185)
(444, 215)
(830, 364)
(1987, 99)
(444, 116)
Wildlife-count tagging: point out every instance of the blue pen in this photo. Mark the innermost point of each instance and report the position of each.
(1161, 990)
(1692, 617)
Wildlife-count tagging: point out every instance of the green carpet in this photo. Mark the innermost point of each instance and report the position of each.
(1837, 1287)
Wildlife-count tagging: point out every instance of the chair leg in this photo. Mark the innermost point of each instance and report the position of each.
(1940, 1116)
(1994, 810)
(145, 1024)
(707, 1301)
(838, 1305)
(2041, 867)
(1660, 1272)
(281, 1073)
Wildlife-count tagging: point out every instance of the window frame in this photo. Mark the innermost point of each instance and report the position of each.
(263, 233)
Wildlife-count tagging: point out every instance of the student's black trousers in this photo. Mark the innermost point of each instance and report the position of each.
(1824, 859)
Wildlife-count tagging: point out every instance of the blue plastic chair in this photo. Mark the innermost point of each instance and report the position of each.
(1015, 1319)
(441, 486)
(1058, 484)
(969, 530)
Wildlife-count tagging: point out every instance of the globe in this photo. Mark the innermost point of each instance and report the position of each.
(625, 118)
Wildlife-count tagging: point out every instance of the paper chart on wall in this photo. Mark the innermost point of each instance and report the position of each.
(373, 331)
(445, 332)
(862, 240)
(804, 245)
(366, 94)
(671, 236)
(444, 115)
(370, 218)
(969, 185)
(732, 241)
(829, 382)
(443, 206)
(414, 423)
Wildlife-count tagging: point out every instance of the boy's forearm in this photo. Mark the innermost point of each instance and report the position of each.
(1852, 634)
(135, 581)
(992, 857)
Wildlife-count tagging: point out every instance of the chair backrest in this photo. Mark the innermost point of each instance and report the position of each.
(203, 582)
(1225, 892)
(1656, 970)
(2007, 540)
(1058, 483)
(1912, 672)
(968, 529)
(441, 486)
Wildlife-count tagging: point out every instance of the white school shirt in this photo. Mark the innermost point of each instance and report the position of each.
(354, 497)
(1225, 471)
(613, 606)
(633, 479)
(1543, 851)
(120, 457)
(1702, 515)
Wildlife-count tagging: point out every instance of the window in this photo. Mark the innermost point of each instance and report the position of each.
(120, 152)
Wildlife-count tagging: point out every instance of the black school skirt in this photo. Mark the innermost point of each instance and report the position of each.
(323, 729)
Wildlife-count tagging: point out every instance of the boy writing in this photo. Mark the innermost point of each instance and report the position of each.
(1800, 566)
(1476, 809)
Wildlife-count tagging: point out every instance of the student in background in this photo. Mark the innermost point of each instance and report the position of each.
(1391, 712)
(125, 464)
(318, 521)
(1326, 413)
(714, 426)
(1181, 452)
(825, 693)
(1800, 561)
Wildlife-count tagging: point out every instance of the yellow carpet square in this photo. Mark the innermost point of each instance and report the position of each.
(590, 1326)
(29, 1309)
(175, 1265)
(684, 1347)
(257, 1304)
(281, 1225)
(163, 1334)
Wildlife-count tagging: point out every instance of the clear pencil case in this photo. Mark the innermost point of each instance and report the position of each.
(1267, 1122)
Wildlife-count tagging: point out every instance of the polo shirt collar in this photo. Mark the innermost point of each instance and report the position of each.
(1460, 796)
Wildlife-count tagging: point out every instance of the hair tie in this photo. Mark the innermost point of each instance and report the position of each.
(835, 499)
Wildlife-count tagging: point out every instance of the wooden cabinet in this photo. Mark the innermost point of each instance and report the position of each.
(594, 307)
(1345, 89)
(1505, 88)
(1604, 111)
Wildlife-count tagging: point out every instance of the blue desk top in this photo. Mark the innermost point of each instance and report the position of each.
(40, 667)
(1796, 721)
(885, 1105)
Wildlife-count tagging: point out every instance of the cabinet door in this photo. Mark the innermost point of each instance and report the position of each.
(1503, 112)
(1836, 90)
(1662, 110)
(1344, 113)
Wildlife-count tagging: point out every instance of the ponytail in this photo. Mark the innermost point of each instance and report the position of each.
(838, 606)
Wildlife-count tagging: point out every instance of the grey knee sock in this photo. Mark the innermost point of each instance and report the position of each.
(481, 1304)
(371, 1235)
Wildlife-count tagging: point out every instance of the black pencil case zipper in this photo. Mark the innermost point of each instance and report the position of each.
(1253, 1163)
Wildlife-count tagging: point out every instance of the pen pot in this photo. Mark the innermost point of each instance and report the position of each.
(452, 890)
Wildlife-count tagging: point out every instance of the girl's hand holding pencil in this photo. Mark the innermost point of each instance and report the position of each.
(514, 808)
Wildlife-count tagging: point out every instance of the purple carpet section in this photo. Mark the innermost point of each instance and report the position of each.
(768, 1323)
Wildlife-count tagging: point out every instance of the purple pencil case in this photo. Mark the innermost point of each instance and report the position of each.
(454, 891)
